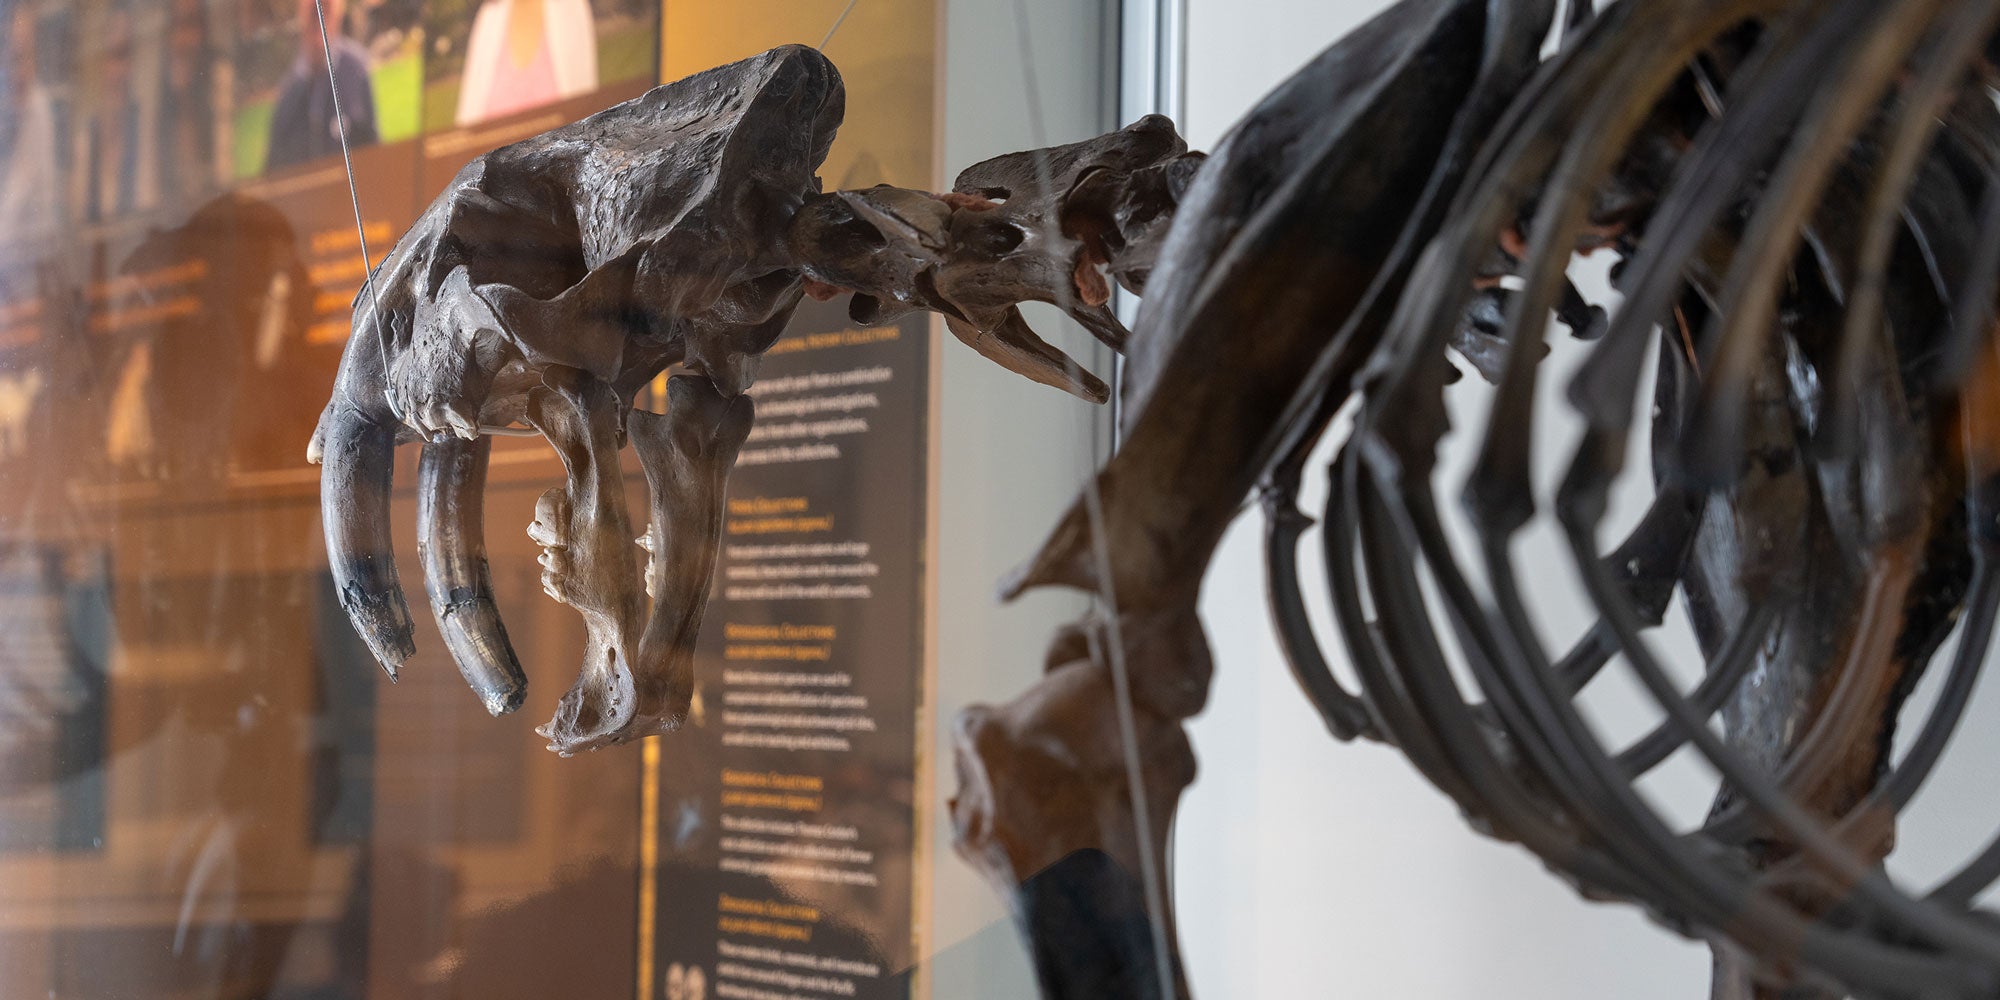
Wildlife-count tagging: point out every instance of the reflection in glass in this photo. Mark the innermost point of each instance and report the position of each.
(304, 125)
(29, 169)
(524, 54)
(203, 792)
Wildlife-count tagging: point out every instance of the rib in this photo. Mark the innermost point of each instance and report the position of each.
(1365, 124)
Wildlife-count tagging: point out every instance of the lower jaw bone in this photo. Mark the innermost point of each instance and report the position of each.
(588, 556)
(632, 685)
(687, 454)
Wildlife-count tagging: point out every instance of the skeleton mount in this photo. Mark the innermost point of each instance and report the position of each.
(557, 277)
(1804, 199)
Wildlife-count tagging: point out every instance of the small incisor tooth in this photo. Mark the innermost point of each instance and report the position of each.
(645, 541)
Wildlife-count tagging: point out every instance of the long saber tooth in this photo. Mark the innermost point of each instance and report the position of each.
(451, 532)
(358, 458)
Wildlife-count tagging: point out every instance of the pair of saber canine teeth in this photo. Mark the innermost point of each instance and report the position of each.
(637, 675)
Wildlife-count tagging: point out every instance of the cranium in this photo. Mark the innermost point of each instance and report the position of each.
(998, 239)
(556, 277)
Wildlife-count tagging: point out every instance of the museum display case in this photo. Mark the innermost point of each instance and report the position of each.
(211, 788)
(793, 499)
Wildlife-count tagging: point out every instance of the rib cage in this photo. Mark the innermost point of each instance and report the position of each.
(1820, 301)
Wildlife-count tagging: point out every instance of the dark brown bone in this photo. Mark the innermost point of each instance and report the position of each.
(451, 541)
(995, 241)
(355, 445)
(1322, 177)
(632, 684)
(1834, 490)
(896, 248)
(687, 455)
(1045, 808)
(554, 279)
(1041, 782)
(1122, 216)
(587, 556)
(1567, 140)
(596, 245)
(1018, 250)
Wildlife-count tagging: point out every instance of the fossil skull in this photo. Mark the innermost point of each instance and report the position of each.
(556, 277)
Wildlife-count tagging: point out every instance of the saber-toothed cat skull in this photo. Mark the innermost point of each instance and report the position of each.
(556, 277)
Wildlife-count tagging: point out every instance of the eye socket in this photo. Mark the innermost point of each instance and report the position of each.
(845, 232)
(857, 235)
(837, 242)
(998, 238)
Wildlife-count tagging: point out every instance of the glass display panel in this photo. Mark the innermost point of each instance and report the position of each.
(207, 786)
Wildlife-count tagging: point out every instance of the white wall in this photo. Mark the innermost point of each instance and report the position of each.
(1011, 454)
(1343, 871)
(1303, 867)
(1306, 868)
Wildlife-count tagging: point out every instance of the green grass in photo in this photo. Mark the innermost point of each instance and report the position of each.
(626, 53)
(398, 85)
(253, 137)
(441, 105)
(396, 82)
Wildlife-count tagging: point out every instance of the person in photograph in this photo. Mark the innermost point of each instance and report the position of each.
(188, 163)
(28, 167)
(524, 54)
(304, 125)
(112, 176)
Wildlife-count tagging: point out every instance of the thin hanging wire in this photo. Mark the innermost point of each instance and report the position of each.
(347, 160)
(837, 22)
(1150, 872)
